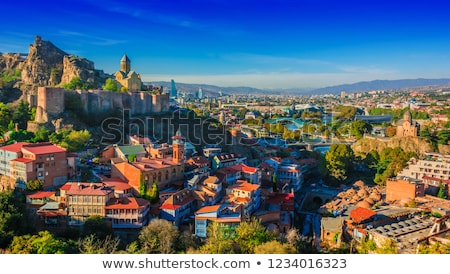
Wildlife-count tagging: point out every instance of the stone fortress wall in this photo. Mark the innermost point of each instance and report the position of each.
(50, 102)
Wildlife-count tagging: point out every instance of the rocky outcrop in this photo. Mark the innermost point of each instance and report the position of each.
(414, 144)
(82, 68)
(12, 61)
(44, 64)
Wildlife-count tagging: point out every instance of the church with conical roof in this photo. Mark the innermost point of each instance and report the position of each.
(127, 78)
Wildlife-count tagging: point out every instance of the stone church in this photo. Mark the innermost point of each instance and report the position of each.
(127, 78)
(407, 127)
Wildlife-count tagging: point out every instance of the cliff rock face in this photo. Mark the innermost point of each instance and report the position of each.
(44, 64)
(417, 145)
(12, 61)
(78, 67)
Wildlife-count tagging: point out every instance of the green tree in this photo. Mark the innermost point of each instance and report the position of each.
(131, 158)
(159, 237)
(34, 185)
(153, 193)
(41, 134)
(111, 84)
(75, 83)
(98, 226)
(274, 247)
(22, 114)
(21, 136)
(359, 128)
(5, 115)
(441, 191)
(93, 245)
(11, 125)
(142, 186)
(75, 140)
(251, 234)
(12, 217)
(339, 160)
(220, 240)
(42, 243)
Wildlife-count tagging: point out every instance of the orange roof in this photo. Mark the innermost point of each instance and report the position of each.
(17, 147)
(41, 194)
(127, 203)
(244, 186)
(66, 186)
(206, 209)
(361, 214)
(23, 160)
(44, 148)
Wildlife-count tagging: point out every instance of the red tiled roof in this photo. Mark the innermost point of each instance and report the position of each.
(126, 203)
(178, 199)
(43, 148)
(87, 189)
(361, 214)
(66, 186)
(23, 160)
(41, 194)
(17, 147)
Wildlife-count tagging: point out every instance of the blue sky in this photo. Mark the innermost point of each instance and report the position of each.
(263, 44)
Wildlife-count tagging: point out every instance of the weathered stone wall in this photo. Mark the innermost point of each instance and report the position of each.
(50, 102)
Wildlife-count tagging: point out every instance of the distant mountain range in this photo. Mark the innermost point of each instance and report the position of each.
(381, 85)
(211, 90)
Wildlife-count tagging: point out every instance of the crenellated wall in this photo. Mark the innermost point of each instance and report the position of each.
(50, 102)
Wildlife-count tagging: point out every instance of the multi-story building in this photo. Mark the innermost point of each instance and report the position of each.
(84, 200)
(46, 162)
(240, 171)
(246, 194)
(212, 187)
(288, 173)
(227, 159)
(399, 189)
(433, 165)
(226, 215)
(148, 170)
(179, 206)
(127, 212)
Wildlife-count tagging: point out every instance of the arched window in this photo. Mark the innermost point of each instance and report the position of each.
(159, 176)
(167, 175)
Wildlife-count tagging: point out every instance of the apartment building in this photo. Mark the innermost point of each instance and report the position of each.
(433, 165)
(23, 162)
(246, 194)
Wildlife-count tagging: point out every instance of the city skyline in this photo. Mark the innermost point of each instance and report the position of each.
(261, 44)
